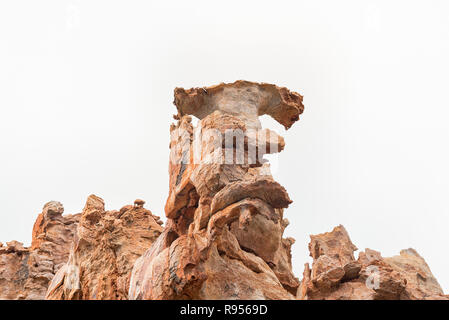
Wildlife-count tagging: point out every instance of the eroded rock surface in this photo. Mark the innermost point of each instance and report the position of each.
(223, 238)
(337, 275)
(26, 272)
(225, 223)
(243, 99)
(105, 247)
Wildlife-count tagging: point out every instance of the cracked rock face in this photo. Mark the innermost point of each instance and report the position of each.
(26, 272)
(336, 275)
(104, 249)
(223, 238)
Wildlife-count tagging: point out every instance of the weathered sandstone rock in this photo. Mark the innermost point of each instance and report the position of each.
(26, 272)
(243, 99)
(336, 275)
(421, 284)
(223, 238)
(225, 224)
(105, 246)
(13, 272)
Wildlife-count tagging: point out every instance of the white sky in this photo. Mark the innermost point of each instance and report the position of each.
(85, 107)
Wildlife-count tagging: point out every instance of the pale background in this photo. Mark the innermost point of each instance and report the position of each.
(86, 91)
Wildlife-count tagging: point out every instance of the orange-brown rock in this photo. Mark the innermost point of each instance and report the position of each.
(223, 238)
(244, 99)
(26, 272)
(225, 224)
(13, 271)
(421, 284)
(336, 275)
(105, 247)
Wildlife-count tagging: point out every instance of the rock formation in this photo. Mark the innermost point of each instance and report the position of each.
(336, 275)
(223, 238)
(26, 272)
(225, 223)
(104, 249)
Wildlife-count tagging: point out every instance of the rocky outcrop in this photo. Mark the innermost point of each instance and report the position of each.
(104, 249)
(244, 99)
(26, 272)
(223, 238)
(13, 271)
(336, 275)
(225, 224)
